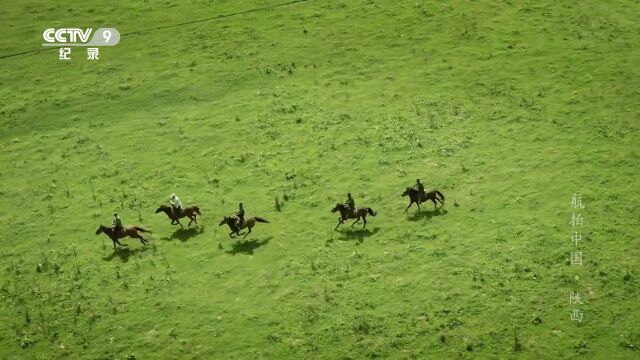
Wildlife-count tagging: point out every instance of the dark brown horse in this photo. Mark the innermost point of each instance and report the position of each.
(358, 213)
(131, 231)
(190, 211)
(433, 195)
(247, 223)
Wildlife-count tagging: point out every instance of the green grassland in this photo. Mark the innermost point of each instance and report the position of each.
(507, 107)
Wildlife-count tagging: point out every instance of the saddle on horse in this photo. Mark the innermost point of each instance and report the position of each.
(177, 212)
(422, 195)
(239, 223)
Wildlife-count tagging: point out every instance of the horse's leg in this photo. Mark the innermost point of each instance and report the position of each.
(435, 204)
(189, 225)
(114, 245)
(356, 221)
(179, 223)
(364, 218)
(340, 221)
(138, 236)
(411, 203)
(248, 232)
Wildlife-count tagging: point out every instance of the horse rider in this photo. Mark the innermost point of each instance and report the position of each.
(239, 216)
(176, 206)
(420, 188)
(117, 225)
(350, 203)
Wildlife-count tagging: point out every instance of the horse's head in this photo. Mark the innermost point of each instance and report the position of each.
(161, 208)
(407, 191)
(100, 229)
(225, 220)
(337, 207)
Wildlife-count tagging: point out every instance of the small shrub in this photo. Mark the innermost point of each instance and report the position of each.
(26, 342)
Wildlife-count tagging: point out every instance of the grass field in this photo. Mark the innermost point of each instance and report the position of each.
(507, 107)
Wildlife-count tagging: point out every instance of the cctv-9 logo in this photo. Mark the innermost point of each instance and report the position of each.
(80, 37)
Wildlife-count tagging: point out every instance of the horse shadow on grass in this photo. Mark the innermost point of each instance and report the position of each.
(358, 235)
(124, 253)
(247, 247)
(185, 234)
(426, 215)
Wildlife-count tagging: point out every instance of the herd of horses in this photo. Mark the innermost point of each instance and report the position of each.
(192, 213)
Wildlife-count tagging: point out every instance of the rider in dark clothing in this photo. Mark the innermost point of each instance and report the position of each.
(240, 216)
(420, 188)
(117, 225)
(350, 203)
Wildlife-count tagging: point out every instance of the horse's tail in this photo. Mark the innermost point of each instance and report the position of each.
(259, 219)
(197, 210)
(141, 229)
(440, 194)
(370, 210)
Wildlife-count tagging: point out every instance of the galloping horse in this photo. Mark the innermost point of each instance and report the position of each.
(131, 231)
(357, 213)
(189, 212)
(247, 223)
(432, 195)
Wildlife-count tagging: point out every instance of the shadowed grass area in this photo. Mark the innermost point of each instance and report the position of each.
(508, 108)
(186, 234)
(246, 246)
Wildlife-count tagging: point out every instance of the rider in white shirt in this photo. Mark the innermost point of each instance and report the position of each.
(176, 205)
